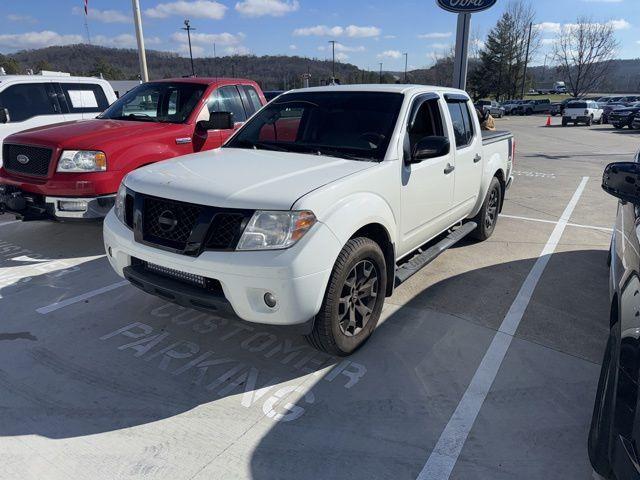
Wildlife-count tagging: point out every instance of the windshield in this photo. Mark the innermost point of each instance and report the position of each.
(577, 105)
(353, 125)
(157, 102)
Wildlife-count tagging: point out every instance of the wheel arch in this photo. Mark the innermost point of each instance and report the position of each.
(379, 234)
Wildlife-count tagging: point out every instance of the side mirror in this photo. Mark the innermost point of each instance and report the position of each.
(217, 121)
(4, 115)
(622, 180)
(430, 147)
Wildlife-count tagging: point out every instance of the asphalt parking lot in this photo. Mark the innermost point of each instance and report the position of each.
(102, 381)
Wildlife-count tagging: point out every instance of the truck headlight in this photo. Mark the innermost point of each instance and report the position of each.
(119, 205)
(82, 161)
(270, 230)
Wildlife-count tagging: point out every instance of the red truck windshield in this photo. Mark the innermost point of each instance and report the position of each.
(157, 102)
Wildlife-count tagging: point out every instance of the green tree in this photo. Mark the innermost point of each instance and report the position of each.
(10, 65)
(43, 65)
(108, 71)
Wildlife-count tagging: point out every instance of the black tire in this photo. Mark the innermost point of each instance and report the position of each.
(331, 335)
(589, 121)
(529, 112)
(487, 217)
(600, 432)
(564, 122)
(617, 126)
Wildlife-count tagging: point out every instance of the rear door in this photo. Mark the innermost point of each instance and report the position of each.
(30, 105)
(468, 151)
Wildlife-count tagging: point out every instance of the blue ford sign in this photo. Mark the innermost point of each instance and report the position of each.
(466, 6)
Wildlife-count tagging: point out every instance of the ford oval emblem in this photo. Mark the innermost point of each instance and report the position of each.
(23, 159)
(466, 6)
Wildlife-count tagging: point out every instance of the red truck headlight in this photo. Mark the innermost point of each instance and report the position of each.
(75, 161)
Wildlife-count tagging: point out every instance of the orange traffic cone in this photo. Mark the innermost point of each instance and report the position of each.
(548, 121)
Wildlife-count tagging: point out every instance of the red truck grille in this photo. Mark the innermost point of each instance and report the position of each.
(26, 160)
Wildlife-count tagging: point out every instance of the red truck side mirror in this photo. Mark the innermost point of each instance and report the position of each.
(217, 121)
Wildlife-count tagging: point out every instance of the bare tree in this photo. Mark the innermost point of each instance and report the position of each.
(583, 52)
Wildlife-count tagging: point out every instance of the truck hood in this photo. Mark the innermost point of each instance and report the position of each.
(626, 110)
(89, 134)
(241, 178)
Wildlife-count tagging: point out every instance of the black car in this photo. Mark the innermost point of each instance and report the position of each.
(608, 108)
(614, 436)
(623, 117)
(271, 94)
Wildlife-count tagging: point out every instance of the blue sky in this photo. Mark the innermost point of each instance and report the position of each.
(368, 31)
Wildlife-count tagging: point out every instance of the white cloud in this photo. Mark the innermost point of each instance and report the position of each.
(293, 47)
(45, 38)
(551, 27)
(352, 31)
(341, 57)
(361, 32)
(389, 36)
(260, 8)
(603, 1)
(196, 9)
(125, 40)
(209, 39)
(344, 48)
(435, 35)
(197, 50)
(620, 24)
(548, 41)
(238, 50)
(390, 54)
(104, 16)
(13, 17)
(319, 31)
(440, 46)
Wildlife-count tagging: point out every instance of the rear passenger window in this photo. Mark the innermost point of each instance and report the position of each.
(227, 99)
(254, 98)
(84, 97)
(462, 123)
(28, 100)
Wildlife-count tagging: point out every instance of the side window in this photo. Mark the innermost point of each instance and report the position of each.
(427, 123)
(28, 100)
(254, 98)
(227, 99)
(84, 97)
(462, 123)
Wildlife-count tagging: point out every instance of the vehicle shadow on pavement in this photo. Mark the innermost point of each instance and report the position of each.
(419, 363)
(127, 359)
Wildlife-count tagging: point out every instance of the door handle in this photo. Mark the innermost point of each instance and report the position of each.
(477, 158)
(448, 169)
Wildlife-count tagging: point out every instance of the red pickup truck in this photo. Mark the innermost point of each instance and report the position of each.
(73, 170)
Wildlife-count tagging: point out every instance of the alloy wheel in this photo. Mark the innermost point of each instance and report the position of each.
(492, 210)
(358, 298)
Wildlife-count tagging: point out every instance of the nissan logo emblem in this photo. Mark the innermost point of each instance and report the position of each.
(167, 221)
(23, 159)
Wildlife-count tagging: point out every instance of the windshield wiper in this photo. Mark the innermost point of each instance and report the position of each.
(263, 146)
(340, 154)
(134, 116)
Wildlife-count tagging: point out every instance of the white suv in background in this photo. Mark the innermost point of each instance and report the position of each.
(28, 101)
(582, 111)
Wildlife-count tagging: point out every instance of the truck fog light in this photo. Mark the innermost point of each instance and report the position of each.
(72, 206)
(270, 300)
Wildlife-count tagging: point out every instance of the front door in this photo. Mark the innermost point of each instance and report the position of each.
(427, 187)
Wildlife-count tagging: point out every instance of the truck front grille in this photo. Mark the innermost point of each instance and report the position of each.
(182, 227)
(26, 160)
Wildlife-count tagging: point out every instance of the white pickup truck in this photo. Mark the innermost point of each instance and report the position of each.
(315, 209)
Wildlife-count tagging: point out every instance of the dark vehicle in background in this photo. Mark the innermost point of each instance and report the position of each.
(491, 106)
(623, 117)
(557, 108)
(609, 107)
(635, 124)
(534, 106)
(614, 436)
(271, 94)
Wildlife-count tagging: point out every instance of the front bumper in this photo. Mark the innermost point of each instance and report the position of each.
(297, 276)
(30, 206)
(620, 121)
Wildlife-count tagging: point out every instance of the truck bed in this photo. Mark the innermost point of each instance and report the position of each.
(489, 136)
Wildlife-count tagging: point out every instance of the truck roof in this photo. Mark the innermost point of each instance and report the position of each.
(392, 88)
(206, 80)
(50, 77)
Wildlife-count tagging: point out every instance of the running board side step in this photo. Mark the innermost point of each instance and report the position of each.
(421, 260)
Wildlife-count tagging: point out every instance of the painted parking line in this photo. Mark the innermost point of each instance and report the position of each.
(444, 456)
(11, 222)
(541, 220)
(80, 298)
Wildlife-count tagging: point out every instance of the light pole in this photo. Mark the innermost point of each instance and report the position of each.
(142, 57)
(380, 72)
(188, 28)
(333, 60)
(406, 60)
